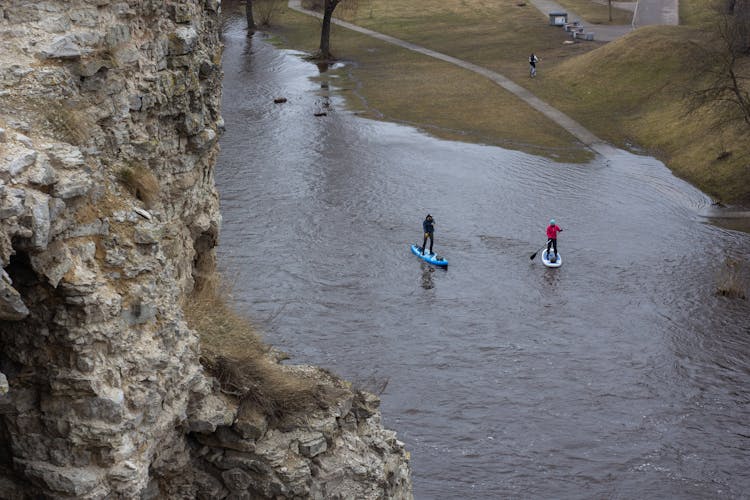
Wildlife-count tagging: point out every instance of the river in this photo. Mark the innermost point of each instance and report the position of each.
(619, 375)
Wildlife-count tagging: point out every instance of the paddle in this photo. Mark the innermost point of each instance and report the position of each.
(534, 254)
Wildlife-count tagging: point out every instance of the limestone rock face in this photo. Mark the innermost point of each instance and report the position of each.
(99, 362)
(101, 391)
(340, 452)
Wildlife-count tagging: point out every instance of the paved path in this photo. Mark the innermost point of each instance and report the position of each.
(563, 120)
(656, 12)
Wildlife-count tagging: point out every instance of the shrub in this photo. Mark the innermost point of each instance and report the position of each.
(68, 121)
(266, 9)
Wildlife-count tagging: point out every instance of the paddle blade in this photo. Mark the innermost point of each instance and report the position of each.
(534, 255)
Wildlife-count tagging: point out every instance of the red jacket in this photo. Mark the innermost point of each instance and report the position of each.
(552, 231)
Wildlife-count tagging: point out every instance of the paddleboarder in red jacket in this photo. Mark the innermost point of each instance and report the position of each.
(552, 231)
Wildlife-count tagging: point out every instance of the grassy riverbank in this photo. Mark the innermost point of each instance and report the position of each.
(634, 92)
(635, 100)
(630, 92)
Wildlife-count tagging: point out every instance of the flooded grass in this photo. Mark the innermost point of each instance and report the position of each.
(463, 374)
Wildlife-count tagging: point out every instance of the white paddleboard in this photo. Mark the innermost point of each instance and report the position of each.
(548, 261)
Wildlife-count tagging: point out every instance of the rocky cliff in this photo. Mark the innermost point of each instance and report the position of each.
(109, 121)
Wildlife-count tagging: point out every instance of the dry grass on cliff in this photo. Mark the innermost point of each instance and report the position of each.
(232, 352)
(68, 121)
(141, 182)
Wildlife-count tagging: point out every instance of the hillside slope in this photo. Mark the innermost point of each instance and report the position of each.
(635, 92)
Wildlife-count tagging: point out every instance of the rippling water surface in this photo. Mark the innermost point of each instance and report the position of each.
(619, 375)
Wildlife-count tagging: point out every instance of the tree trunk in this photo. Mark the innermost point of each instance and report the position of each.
(249, 15)
(610, 11)
(325, 32)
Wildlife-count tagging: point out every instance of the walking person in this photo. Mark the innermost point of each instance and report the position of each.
(552, 231)
(428, 227)
(533, 59)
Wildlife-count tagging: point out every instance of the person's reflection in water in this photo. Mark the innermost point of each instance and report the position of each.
(551, 277)
(427, 282)
(247, 54)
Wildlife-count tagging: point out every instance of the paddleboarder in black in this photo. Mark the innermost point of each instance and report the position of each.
(428, 226)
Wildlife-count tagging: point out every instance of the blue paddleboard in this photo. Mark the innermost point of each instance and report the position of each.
(432, 258)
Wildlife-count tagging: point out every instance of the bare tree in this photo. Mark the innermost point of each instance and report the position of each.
(328, 7)
(266, 9)
(727, 63)
(324, 52)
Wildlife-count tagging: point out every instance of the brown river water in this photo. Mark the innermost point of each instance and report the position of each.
(619, 375)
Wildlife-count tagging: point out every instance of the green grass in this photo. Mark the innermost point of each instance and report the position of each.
(495, 35)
